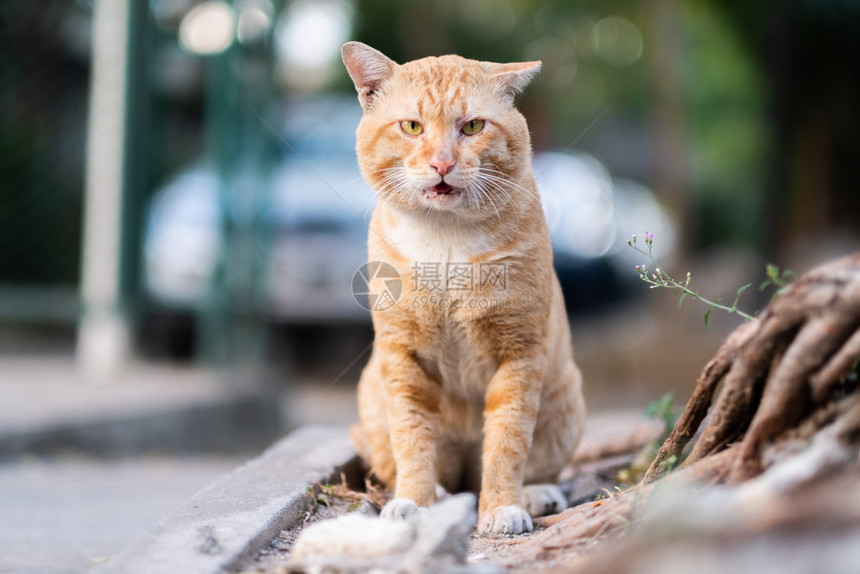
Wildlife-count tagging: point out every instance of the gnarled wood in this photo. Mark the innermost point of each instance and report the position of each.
(775, 371)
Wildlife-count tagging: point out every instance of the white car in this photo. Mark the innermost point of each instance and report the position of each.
(309, 225)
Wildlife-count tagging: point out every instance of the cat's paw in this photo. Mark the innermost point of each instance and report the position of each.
(543, 499)
(506, 520)
(399, 509)
(441, 493)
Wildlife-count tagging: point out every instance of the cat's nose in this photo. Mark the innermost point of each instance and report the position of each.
(442, 165)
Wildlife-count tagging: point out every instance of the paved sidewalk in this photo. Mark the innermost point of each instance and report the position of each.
(232, 519)
(86, 468)
(64, 515)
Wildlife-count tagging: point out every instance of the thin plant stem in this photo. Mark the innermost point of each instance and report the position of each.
(658, 278)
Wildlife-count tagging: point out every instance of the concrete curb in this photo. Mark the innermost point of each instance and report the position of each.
(232, 519)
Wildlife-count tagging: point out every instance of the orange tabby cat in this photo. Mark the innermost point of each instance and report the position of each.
(471, 383)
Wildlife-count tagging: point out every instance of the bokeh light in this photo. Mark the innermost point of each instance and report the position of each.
(208, 28)
(617, 41)
(309, 34)
(255, 20)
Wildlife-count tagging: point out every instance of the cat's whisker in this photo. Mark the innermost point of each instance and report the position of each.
(387, 169)
(498, 186)
(393, 186)
(509, 201)
(502, 177)
(482, 193)
(392, 181)
(354, 180)
(506, 198)
(475, 194)
(508, 195)
(503, 180)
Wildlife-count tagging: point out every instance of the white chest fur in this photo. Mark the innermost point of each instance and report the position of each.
(427, 239)
(442, 245)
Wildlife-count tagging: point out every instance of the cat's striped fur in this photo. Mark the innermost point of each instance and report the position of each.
(479, 392)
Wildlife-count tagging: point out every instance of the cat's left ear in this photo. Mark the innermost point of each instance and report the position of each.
(368, 68)
(513, 77)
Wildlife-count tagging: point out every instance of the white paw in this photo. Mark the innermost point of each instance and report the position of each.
(399, 509)
(543, 499)
(506, 520)
(441, 493)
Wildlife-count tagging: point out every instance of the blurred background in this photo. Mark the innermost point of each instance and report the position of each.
(181, 213)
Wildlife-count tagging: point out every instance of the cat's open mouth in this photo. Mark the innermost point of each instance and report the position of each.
(440, 190)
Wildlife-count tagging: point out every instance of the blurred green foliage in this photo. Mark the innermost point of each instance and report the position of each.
(42, 119)
(763, 85)
(576, 82)
(726, 105)
(722, 85)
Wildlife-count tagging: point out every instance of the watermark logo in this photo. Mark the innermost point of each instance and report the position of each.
(383, 294)
(377, 286)
(433, 276)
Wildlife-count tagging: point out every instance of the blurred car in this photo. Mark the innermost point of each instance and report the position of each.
(590, 218)
(313, 221)
(316, 221)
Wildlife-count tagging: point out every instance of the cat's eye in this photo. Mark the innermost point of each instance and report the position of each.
(472, 127)
(411, 127)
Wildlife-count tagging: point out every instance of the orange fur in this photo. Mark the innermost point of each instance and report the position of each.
(467, 394)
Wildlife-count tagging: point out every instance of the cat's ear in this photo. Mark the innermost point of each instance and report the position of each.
(368, 68)
(513, 77)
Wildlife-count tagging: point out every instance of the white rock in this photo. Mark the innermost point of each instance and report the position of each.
(443, 529)
(431, 540)
(354, 535)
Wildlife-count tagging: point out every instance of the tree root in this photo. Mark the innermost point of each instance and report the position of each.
(775, 424)
(774, 372)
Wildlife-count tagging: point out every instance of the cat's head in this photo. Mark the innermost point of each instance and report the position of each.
(441, 134)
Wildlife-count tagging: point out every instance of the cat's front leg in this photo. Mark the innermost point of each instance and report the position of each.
(412, 404)
(511, 405)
